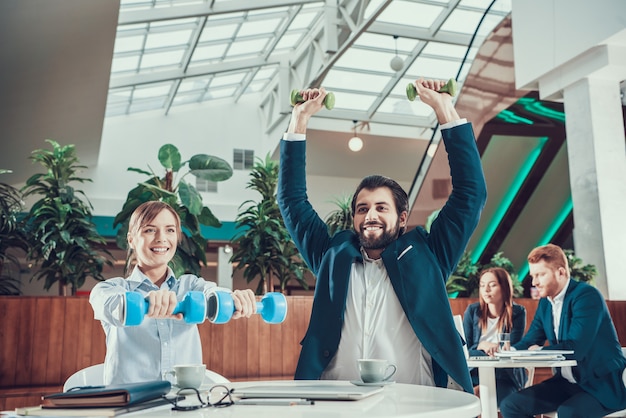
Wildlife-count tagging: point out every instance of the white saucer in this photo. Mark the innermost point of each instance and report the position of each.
(361, 383)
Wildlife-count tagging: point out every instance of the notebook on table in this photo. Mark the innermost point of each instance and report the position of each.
(530, 354)
(316, 390)
(535, 355)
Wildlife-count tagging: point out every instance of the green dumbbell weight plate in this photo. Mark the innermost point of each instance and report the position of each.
(411, 91)
(296, 97)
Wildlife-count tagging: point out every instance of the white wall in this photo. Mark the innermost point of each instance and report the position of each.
(134, 141)
(548, 33)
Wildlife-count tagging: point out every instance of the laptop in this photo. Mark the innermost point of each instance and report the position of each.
(316, 390)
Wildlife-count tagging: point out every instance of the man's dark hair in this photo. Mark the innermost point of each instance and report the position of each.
(375, 182)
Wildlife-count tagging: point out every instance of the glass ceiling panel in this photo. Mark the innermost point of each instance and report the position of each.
(289, 41)
(446, 50)
(227, 79)
(144, 105)
(129, 43)
(203, 62)
(366, 59)
(204, 54)
(164, 39)
(215, 32)
(465, 21)
(192, 84)
(259, 27)
(220, 92)
(359, 102)
(433, 68)
(247, 47)
(412, 14)
(163, 60)
(350, 80)
(124, 64)
(151, 91)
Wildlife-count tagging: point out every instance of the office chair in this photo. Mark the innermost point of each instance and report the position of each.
(89, 376)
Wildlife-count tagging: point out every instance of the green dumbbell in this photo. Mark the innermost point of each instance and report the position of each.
(296, 97)
(450, 88)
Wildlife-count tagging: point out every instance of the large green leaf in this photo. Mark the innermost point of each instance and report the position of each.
(190, 197)
(170, 158)
(207, 218)
(210, 168)
(140, 171)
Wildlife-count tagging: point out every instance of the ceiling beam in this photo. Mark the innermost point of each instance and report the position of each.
(205, 9)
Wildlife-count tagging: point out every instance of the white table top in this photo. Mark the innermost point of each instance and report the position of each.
(396, 400)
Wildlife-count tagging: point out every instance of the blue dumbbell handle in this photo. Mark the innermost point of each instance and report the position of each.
(193, 308)
(221, 307)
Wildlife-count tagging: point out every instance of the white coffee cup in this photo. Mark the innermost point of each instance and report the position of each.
(375, 370)
(188, 375)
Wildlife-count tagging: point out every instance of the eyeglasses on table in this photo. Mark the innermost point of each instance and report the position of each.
(217, 391)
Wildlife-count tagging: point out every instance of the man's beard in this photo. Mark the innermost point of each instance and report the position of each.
(381, 242)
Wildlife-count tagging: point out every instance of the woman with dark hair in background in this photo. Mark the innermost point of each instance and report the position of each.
(495, 313)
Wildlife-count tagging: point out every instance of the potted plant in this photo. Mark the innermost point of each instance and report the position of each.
(12, 238)
(264, 248)
(64, 241)
(578, 270)
(183, 197)
(341, 218)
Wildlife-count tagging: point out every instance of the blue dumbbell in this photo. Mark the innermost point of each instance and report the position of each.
(272, 307)
(193, 308)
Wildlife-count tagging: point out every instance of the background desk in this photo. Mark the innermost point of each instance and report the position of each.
(396, 400)
(487, 378)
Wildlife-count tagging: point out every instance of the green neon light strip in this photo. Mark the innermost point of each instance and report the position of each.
(511, 117)
(536, 107)
(508, 198)
(547, 237)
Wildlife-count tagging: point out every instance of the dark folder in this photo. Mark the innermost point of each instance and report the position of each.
(111, 395)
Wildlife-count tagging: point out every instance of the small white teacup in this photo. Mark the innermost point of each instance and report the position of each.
(188, 375)
(375, 370)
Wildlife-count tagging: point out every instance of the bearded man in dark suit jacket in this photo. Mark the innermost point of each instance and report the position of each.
(570, 316)
(380, 291)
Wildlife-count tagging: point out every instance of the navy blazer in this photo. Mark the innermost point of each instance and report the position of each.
(586, 327)
(418, 263)
(473, 332)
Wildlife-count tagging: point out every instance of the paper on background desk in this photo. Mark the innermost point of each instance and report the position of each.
(533, 353)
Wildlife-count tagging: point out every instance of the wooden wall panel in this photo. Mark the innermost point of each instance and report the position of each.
(57, 323)
(9, 341)
(618, 314)
(26, 317)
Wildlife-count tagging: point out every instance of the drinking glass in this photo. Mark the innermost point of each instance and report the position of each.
(504, 341)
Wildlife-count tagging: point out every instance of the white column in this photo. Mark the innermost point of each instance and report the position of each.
(597, 164)
(224, 267)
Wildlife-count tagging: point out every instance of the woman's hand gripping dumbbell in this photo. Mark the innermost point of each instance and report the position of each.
(193, 308)
(449, 87)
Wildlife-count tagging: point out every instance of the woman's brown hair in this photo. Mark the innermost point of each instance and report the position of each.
(505, 323)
